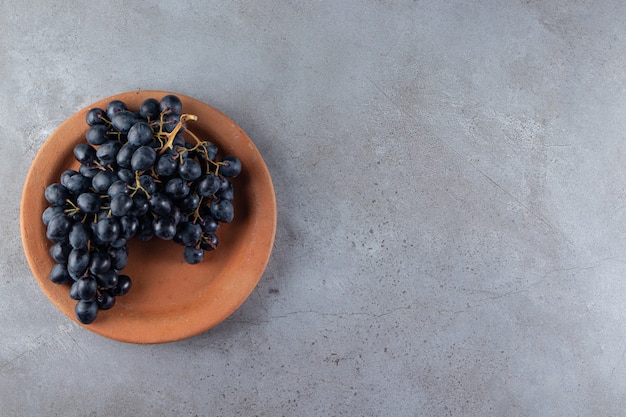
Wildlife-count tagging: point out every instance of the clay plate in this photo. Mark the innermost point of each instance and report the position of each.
(170, 300)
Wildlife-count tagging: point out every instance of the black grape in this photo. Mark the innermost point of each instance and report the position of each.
(96, 116)
(140, 134)
(149, 109)
(171, 104)
(121, 204)
(164, 228)
(125, 154)
(123, 120)
(59, 274)
(84, 153)
(105, 300)
(143, 158)
(113, 107)
(230, 167)
(59, 252)
(193, 255)
(97, 134)
(100, 263)
(86, 288)
(107, 152)
(56, 194)
(89, 202)
(79, 236)
(86, 311)
(59, 228)
(222, 210)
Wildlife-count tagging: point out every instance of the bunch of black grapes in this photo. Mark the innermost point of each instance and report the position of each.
(139, 177)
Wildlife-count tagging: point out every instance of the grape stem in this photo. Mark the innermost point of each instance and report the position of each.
(202, 147)
(196, 212)
(172, 135)
(138, 186)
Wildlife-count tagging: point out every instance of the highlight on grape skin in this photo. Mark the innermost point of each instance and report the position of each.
(142, 174)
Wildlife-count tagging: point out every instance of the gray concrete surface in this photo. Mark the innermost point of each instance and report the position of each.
(451, 191)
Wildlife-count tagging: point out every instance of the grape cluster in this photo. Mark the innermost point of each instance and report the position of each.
(139, 177)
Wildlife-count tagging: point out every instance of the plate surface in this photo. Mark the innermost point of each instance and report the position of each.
(170, 299)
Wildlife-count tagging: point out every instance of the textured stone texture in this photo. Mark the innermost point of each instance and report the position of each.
(451, 206)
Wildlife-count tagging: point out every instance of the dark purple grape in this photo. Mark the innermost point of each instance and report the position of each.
(119, 257)
(108, 229)
(119, 243)
(86, 311)
(148, 183)
(189, 170)
(209, 224)
(126, 175)
(105, 300)
(79, 236)
(170, 121)
(77, 184)
(96, 116)
(230, 166)
(226, 193)
(164, 228)
(74, 291)
(149, 109)
(89, 202)
(124, 283)
(89, 171)
(59, 228)
(77, 262)
(208, 185)
(209, 241)
(140, 134)
(97, 134)
(171, 104)
(66, 175)
(179, 140)
(129, 226)
(212, 150)
(107, 152)
(86, 288)
(166, 165)
(59, 252)
(125, 154)
(113, 107)
(107, 279)
(121, 204)
(176, 188)
(100, 262)
(224, 183)
(103, 180)
(176, 215)
(50, 212)
(193, 255)
(160, 204)
(143, 158)
(59, 274)
(123, 120)
(222, 210)
(118, 187)
(140, 206)
(84, 153)
(188, 234)
(56, 194)
(190, 203)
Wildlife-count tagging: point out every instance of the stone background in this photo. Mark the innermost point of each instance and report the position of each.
(451, 204)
